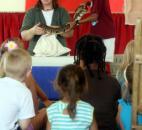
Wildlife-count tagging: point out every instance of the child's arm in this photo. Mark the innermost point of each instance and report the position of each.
(48, 126)
(94, 123)
(31, 83)
(24, 124)
(118, 120)
(42, 96)
(39, 91)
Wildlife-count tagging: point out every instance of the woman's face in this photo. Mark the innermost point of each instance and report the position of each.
(46, 2)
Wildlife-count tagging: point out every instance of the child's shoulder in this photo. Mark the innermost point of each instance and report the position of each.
(12, 82)
(54, 106)
(84, 104)
(80, 104)
(14, 86)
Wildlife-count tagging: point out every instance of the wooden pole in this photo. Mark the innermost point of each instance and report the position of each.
(137, 74)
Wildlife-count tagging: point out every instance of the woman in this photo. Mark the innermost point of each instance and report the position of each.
(102, 25)
(45, 12)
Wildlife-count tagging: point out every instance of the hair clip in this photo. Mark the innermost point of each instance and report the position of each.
(11, 45)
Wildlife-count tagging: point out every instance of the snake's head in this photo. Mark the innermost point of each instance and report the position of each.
(88, 4)
(42, 25)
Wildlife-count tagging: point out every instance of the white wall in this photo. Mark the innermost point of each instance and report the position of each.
(12, 5)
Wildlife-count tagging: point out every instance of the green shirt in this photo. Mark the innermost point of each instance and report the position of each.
(35, 16)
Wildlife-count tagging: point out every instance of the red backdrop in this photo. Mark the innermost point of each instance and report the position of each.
(10, 24)
(70, 5)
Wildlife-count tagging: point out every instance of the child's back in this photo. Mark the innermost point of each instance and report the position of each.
(16, 105)
(70, 113)
(103, 90)
(13, 103)
(61, 121)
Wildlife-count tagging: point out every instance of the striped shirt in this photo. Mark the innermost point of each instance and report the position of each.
(60, 121)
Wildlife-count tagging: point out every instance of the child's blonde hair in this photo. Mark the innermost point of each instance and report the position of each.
(16, 64)
(128, 55)
(128, 76)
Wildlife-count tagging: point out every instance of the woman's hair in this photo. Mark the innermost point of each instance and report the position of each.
(11, 44)
(128, 55)
(16, 64)
(127, 89)
(91, 49)
(54, 3)
(71, 83)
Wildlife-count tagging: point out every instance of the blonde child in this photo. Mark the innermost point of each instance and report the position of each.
(125, 104)
(128, 58)
(39, 121)
(16, 104)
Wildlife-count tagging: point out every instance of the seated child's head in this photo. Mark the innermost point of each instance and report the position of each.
(128, 56)
(16, 64)
(11, 44)
(71, 83)
(128, 76)
(90, 49)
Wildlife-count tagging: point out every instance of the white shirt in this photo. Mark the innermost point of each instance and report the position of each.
(15, 103)
(48, 16)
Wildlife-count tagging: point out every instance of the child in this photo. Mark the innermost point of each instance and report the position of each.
(103, 90)
(16, 105)
(40, 119)
(71, 113)
(125, 104)
(128, 58)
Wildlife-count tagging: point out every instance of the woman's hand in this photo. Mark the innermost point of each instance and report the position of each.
(37, 30)
(30, 33)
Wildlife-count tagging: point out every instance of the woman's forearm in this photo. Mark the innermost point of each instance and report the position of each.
(27, 34)
(91, 18)
(67, 34)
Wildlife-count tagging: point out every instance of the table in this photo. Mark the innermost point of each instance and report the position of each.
(44, 70)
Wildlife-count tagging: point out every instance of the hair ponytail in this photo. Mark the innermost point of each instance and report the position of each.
(73, 98)
(71, 83)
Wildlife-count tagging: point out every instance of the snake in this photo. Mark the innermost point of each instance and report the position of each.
(81, 10)
(55, 29)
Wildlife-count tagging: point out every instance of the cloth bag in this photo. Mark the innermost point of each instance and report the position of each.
(48, 45)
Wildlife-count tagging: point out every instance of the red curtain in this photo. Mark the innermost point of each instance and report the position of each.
(10, 24)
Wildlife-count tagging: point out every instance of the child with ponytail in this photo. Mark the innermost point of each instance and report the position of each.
(71, 113)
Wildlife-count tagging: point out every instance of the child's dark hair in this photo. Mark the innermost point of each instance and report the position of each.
(127, 91)
(71, 81)
(91, 49)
